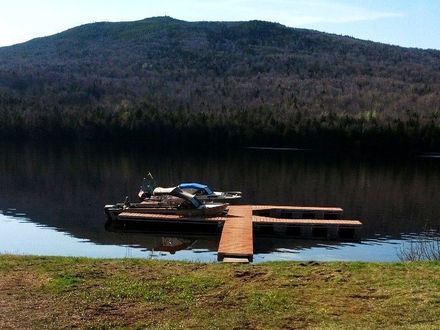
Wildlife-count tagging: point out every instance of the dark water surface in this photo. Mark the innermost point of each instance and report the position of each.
(52, 198)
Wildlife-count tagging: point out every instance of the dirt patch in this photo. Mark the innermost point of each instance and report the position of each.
(21, 281)
(245, 275)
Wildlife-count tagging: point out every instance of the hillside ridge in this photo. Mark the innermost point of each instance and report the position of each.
(234, 77)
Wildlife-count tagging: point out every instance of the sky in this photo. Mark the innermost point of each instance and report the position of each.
(408, 23)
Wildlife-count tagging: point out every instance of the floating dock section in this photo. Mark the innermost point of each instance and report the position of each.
(244, 221)
(236, 242)
(304, 222)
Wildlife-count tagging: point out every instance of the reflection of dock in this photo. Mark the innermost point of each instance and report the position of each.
(239, 225)
(173, 244)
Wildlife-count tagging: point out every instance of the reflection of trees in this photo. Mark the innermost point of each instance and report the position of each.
(67, 187)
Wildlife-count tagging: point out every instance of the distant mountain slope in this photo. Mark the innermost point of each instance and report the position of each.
(161, 72)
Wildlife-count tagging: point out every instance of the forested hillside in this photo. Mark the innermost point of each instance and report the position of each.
(238, 82)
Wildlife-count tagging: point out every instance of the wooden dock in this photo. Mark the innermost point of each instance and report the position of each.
(243, 221)
(309, 228)
(296, 212)
(237, 241)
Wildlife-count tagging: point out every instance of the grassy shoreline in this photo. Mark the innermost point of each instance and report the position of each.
(61, 292)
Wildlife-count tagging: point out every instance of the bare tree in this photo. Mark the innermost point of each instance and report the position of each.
(424, 247)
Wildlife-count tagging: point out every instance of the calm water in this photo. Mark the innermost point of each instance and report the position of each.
(52, 198)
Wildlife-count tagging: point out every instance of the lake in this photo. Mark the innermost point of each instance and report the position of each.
(52, 198)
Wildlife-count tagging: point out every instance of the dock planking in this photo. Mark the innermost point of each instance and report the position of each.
(236, 241)
(305, 222)
(296, 212)
(297, 208)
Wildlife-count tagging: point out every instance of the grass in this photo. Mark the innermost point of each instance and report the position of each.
(53, 292)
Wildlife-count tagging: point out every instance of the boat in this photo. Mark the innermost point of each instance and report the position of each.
(172, 202)
(202, 191)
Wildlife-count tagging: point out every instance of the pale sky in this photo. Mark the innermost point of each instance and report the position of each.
(409, 23)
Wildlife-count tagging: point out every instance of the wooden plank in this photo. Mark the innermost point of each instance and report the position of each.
(298, 208)
(309, 222)
(236, 240)
(236, 260)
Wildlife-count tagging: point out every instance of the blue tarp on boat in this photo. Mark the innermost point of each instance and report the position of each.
(202, 188)
(192, 185)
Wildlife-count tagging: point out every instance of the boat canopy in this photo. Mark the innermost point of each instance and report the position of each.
(196, 186)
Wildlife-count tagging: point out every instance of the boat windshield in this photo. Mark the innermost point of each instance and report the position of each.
(209, 191)
(148, 184)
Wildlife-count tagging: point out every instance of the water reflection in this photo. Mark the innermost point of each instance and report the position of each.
(65, 188)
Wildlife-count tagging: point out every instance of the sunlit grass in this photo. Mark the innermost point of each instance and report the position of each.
(79, 292)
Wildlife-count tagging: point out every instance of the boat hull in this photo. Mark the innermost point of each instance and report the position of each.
(139, 212)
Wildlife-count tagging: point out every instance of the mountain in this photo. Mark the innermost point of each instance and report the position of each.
(244, 82)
